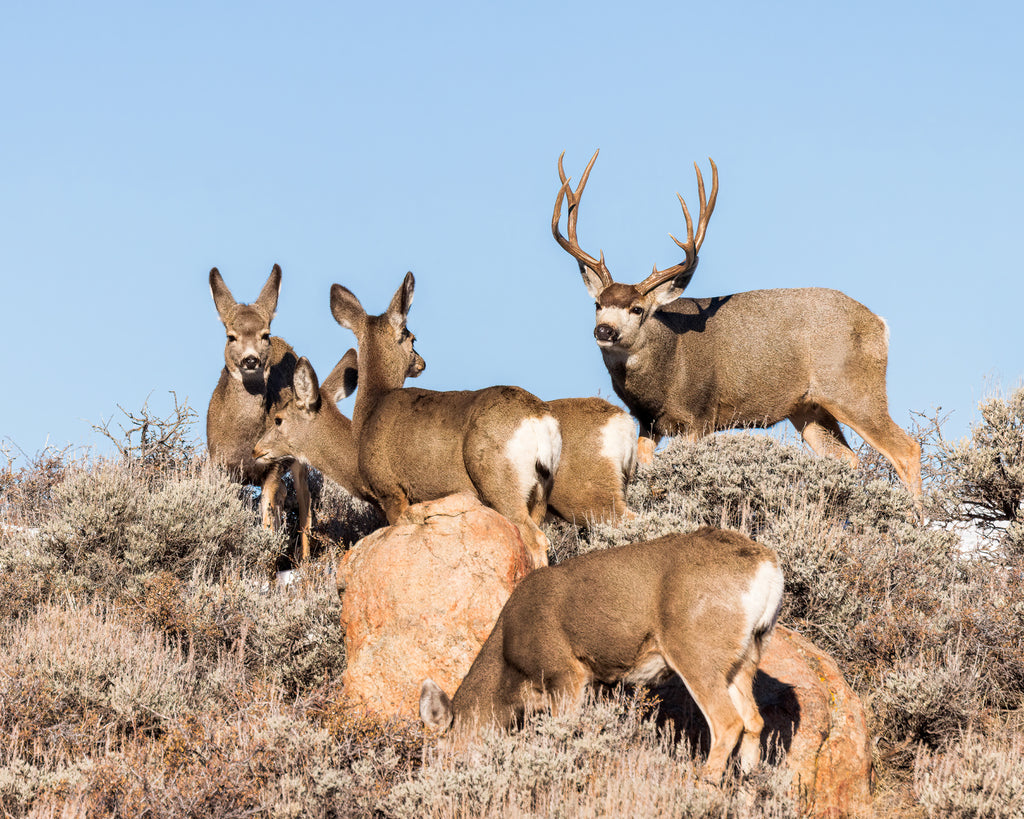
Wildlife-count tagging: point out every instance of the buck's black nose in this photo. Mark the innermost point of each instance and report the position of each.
(250, 362)
(605, 332)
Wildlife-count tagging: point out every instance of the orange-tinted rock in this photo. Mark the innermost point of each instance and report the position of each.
(809, 708)
(420, 598)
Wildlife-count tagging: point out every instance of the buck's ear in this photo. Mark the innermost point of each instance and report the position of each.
(267, 300)
(306, 386)
(343, 379)
(435, 706)
(401, 302)
(347, 310)
(222, 297)
(592, 280)
(673, 288)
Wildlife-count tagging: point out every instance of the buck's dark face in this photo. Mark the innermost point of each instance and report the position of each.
(621, 312)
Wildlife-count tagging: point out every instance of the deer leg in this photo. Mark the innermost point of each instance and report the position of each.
(711, 692)
(741, 691)
(645, 449)
(875, 425)
(300, 477)
(272, 495)
(822, 433)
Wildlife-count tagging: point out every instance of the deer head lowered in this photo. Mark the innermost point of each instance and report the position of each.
(501, 443)
(692, 366)
(258, 366)
(701, 605)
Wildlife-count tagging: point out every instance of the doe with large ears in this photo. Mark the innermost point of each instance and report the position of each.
(702, 606)
(689, 367)
(307, 426)
(500, 443)
(257, 367)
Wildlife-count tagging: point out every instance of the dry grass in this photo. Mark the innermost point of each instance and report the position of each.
(151, 667)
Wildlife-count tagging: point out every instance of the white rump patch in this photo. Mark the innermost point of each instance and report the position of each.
(618, 443)
(763, 599)
(536, 444)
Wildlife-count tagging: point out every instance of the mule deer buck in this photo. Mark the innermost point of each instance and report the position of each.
(307, 427)
(693, 366)
(501, 444)
(258, 366)
(701, 605)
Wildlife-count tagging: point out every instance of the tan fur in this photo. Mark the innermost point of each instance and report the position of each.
(701, 605)
(418, 445)
(598, 459)
(258, 367)
(693, 366)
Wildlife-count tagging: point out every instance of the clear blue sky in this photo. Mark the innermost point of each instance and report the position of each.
(877, 148)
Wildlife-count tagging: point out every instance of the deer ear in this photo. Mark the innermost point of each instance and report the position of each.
(222, 297)
(343, 379)
(306, 386)
(401, 302)
(435, 706)
(673, 288)
(592, 280)
(347, 310)
(267, 301)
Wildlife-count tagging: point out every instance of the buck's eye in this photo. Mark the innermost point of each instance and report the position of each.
(266, 336)
(597, 306)
(277, 422)
(636, 310)
(232, 338)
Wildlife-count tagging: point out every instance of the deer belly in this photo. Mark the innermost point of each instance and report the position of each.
(651, 668)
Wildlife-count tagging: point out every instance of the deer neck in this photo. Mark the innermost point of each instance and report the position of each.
(331, 448)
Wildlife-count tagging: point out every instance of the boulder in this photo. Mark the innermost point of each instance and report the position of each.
(818, 721)
(421, 596)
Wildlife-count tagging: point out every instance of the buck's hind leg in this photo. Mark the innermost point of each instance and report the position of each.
(823, 434)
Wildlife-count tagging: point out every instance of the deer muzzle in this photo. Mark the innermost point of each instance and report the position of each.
(606, 333)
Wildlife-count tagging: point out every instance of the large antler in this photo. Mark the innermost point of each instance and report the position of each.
(571, 245)
(692, 244)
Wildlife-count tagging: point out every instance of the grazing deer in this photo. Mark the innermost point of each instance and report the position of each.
(701, 605)
(501, 444)
(258, 366)
(693, 366)
(306, 426)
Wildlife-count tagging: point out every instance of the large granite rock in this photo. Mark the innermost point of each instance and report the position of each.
(420, 598)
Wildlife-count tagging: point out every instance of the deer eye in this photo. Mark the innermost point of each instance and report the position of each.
(636, 310)
(277, 421)
(266, 336)
(597, 306)
(232, 338)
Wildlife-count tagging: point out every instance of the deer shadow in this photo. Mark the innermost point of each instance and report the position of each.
(776, 700)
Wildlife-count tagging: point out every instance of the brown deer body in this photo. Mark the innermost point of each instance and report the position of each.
(693, 366)
(598, 460)
(500, 443)
(702, 606)
(257, 368)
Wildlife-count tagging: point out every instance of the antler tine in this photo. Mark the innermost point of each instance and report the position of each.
(692, 244)
(571, 245)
